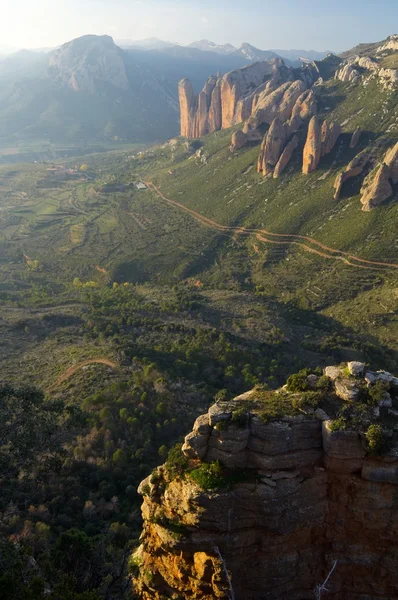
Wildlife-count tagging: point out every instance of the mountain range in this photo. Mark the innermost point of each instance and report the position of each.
(50, 95)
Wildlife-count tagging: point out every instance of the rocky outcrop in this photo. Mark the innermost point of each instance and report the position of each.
(347, 73)
(321, 139)
(391, 43)
(239, 139)
(271, 148)
(313, 145)
(353, 169)
(286, 156)
(87, 61)
(256, 94)
(267, 506)
(377, 186)
(216, 106)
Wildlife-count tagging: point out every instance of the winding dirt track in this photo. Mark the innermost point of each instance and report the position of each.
(287, 238)
(69, 372)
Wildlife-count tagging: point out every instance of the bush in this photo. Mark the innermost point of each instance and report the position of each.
(375, 438)
(307, 400)
(176, 463)
(338, 424)
(209, 476)
(377, 391)
(240, 417)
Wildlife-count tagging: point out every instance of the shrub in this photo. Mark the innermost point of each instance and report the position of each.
(377, 391)
(240, 417)
(307, 400)
(298, 382)
(375, 438)
(338, 424)
(209, 476)
(176, 463)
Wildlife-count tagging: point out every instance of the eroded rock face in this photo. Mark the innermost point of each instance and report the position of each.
(239, 139)
(286, 156)
(347, 73)
(377, 186)
(220, 103)
(271, 148)
(353, 169)
(312, 148)
(309, 495)
(87, 61)
(321, 139)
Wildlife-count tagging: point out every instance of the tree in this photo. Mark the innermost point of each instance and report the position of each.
(28, 427)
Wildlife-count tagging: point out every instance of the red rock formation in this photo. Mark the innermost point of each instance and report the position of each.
(286, 156)
(353, 169)
(187, 107)
(320, 141)
(330, 134)
(271, 148)
(377, 185)
(312, 148)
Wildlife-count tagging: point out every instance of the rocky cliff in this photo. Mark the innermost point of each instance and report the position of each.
(273, 490)
(258, 93)
(378, 185)
(88, 61)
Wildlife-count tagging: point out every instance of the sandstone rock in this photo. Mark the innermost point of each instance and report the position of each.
(332, 372)
(329, 134)
(285, 475)
(239, 139)
(286, 156)
(355, 137)
(347, 73)
(231, 439)
(343, 465)
(187, 107)
(370, 377)
(292, 460)
(268, 481)
(283, 437)
(353, 169)
(195, 445)
(346, 389)
(356, 368)
(376, 188)
(219, 412)
(312, 148)
(202, 425)
(341, 444)
(272, 147)
(380, 472)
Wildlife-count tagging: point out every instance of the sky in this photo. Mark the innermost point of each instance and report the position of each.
(305, 24)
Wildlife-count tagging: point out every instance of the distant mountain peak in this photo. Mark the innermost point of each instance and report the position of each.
(209, 46)
(87, 60)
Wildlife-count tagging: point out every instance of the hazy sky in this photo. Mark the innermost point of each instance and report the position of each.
(315, 24)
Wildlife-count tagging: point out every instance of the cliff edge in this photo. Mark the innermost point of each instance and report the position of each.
(273, 489)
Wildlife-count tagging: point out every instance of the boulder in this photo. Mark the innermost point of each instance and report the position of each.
(347, 73)
(332, 372)
(195, 445)
(346, 389)
(231, 439)
(356, 368)
(219, 412)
